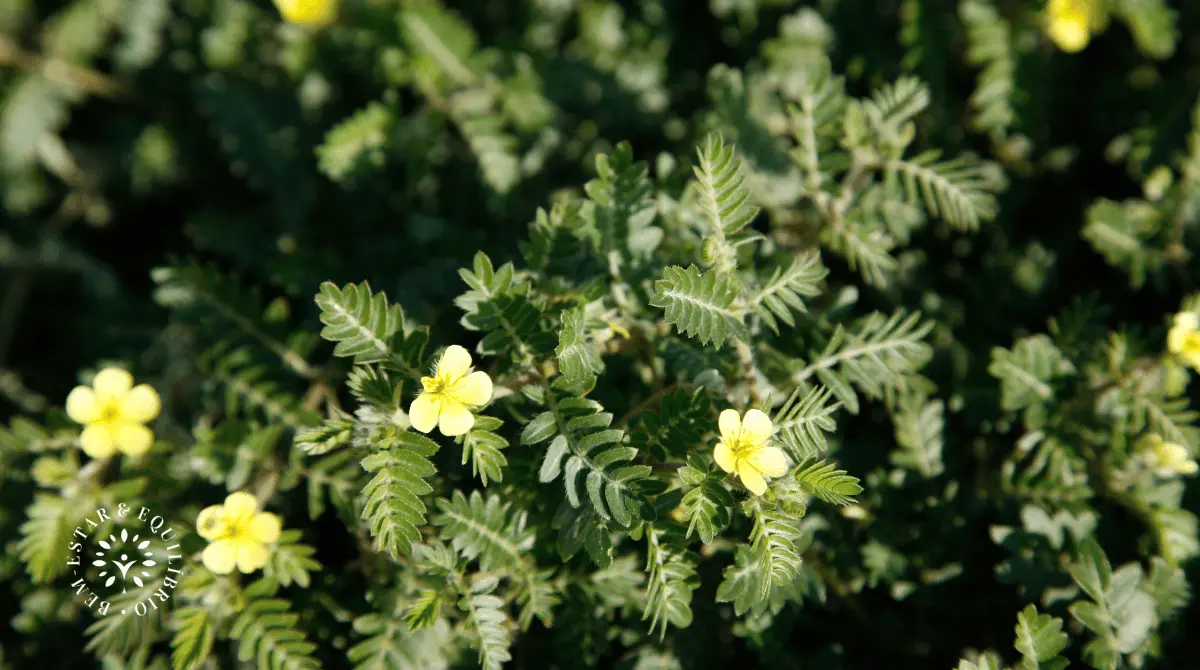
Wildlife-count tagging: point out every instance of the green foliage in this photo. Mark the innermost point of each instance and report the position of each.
(393, 508)
(700, 304)
(634, 216)
(266, 632)
(1040, 640)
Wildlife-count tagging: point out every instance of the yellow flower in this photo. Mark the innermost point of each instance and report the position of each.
(1171, 459)
(448, 393)
(113, 412)
(1184, 338)
(308, 12)
(1071, 23)
(238, 534)
(743, 449)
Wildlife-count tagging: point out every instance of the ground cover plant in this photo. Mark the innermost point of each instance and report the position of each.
(593, 334)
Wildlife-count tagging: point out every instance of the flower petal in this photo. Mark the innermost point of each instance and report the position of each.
(1176, 338)
(423, 412)
(455, 418)
(756, 428)
(474, 389)
(219, 557)
(97, 441)
(751, 478)
(265, 527)
(240, 506)
(723, 455)
(769, 461)
(251, 555)
(133, 439)
(730, 423)
(112, 383)
(1187, 321)
(210, 524)
(82, 405)
(455, 363)
(140, 405)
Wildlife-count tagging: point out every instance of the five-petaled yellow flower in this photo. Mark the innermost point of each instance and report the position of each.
(113, 412)
(238, 534)
(449, 393)
(743, 449)
(308, 12)
(1171, 459)
(1071, 23)
(1184, 338)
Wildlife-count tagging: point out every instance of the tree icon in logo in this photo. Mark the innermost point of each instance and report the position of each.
(122, 555)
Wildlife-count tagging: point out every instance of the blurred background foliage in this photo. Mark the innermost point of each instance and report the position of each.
(156, 152)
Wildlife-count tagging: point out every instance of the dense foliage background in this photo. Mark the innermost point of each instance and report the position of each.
(179, 178)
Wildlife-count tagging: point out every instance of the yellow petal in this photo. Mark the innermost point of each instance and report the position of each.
(265, 527)
(1070, 32)
(756, 428)
(97, 441)
(251, 555)
(428, 383)
(455, 363)
(112, 383)
(210, 524)
(1176, 337)
(1187, 321)
(474, 389)
(219, 557)
(1188, 467)
(455, 418)
(723, 455)
(769, 461)
(82, 406)
(751, 478)
(140, 405)
(423, 412)
(133, 439)
(730, 424)
(308, 12)
(240, 506)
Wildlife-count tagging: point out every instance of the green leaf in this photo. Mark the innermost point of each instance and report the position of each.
(1092, 571)
(1026, 373)
(879, 356)
(362, 323)
(578, 360)
(193, 639)
(267, 631)
(699, 304)
(959, 191)
(725, 197)
(592, 459)
(290, 562)
(486, 619)
(919, 425)
(356, 144)
(388, 644)
(824, 481)
(671, 578)
(801, 423)
(706, 505)
(482, 447)
(1040, 640)
(425, 610)
(393, 496)
(624, 208)
(784, 290)
(487, 531)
